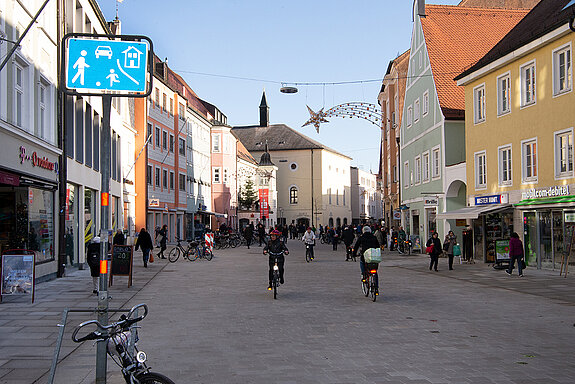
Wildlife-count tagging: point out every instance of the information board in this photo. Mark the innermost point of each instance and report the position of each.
(502, 250)
(122, 258)
(17, 275)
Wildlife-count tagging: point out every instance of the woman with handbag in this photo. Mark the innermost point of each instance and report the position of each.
(515, 253)
(448, 243)
(434, 250)
(144, 241)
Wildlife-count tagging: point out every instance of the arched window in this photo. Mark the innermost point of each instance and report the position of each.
(293, 195)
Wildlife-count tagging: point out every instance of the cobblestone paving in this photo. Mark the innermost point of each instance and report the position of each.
(215, 322)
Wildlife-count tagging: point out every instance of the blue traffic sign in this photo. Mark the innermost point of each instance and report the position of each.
(100, 66)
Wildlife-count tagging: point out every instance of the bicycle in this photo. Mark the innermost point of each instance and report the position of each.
(117, 337)
(404, 247)
(349, 253)
(368, 285)
(276, 278)
(175, 253)
(308, 252)
(198, 250)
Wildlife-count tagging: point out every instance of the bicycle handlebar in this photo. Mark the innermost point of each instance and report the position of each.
(125, 322)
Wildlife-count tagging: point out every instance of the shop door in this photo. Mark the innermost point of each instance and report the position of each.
(431, 223)
(415, 225)
(557, 238)
(530, 238)
(545, 245)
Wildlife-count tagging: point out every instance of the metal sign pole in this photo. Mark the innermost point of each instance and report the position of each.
(101, 357)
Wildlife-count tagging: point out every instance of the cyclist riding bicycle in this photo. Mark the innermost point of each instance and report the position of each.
(276, 249)
(401, 237)
(309, 239)
(366, 241)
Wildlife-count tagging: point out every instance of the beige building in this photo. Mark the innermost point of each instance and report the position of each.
(313, 181)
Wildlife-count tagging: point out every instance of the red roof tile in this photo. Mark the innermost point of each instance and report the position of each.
(456, 38)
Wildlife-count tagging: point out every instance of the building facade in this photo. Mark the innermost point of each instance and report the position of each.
(224, 177)
(366, 199)
(520, 96)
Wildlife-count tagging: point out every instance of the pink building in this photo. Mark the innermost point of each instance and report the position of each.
(224, 177)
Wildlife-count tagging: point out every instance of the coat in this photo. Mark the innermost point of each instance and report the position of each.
(450, 241)
(436, 246)
(515, 247)
(365, 241)
(144, 241)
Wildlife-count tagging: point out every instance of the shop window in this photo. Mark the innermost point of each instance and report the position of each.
(41, 223)
(89, 215)
(71, 222)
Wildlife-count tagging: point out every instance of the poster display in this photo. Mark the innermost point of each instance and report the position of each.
(17, 275)
(122, 257)
(264, 206)
(502, 250)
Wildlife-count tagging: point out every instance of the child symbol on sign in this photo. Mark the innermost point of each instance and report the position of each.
(113, 78)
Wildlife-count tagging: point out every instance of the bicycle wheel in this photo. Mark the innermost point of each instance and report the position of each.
(174, 255)
(307, 255)
(208, 254)
(322, 240)
(193, 254)
(153, 377)
(275, 284)
(365, 287)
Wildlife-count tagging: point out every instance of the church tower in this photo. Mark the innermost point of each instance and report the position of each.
(264, 112)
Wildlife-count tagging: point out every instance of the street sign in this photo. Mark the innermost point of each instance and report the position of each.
(116, 65)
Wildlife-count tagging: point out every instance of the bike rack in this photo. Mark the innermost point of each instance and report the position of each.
(62, 326)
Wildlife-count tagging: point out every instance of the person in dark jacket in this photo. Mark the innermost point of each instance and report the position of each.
(366, 241)
(468, 244)
(276, 249)
(261, 234)
(163, 240)
(93, 259)
(348, 236)
(144, 241)
(249, 234)
(436, 243)
(448, 243)
(515, 253)
(119, 238)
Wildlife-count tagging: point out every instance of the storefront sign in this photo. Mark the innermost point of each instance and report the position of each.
(396, 215)
(264, 206)
(37, 160)
(10, 179)
(430, 201)
(562, 190)
(17, 275)
(154, 203)
(492, 199)
(570, 217)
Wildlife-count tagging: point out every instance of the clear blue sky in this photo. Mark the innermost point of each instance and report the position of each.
(280, 41)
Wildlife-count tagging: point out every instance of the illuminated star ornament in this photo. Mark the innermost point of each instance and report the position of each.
(366, 111)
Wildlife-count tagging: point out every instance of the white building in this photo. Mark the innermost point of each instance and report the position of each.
(366, 200)
(30, 156)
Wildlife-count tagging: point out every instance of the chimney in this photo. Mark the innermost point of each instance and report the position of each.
(264, 111)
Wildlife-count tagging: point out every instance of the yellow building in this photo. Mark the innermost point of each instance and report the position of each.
(519, 123)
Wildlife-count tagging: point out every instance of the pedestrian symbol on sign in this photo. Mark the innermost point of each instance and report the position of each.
(80, 64)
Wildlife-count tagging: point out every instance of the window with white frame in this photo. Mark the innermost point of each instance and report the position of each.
(480, 170)
(529, 160)
(216, 143)
(416, 111)
(409, 116)
(417, 169)
(20, 94)
(562, 70)
(172, 180)
(564, 153)
(406, 174)
(425, 166)
(528, 95)
(43, 111)
(479, 103)
(505, 166)
(504, 94)
(157, 177)
(165, 179)
(435, 163)
(217, 172)
(425, 103)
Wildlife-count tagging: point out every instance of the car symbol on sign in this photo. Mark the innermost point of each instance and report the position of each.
(103, 51)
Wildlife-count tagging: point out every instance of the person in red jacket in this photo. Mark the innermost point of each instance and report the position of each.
(515, 253)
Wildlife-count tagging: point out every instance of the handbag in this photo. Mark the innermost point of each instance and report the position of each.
(456, 250)
(151, 260)
(523, 265)
(429, 249)
(446, 246)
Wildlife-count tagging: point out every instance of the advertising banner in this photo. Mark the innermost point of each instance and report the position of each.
(502, 250)
(264, 206)
(17, 275)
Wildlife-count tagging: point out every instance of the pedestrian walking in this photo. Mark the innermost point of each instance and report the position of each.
(249, 234)
(119, 238)
(515, 253)
(448, 243)
(379, 236)
(93, 259)
(284, 233)
(163, 240)
(261, 233)
(144, 241)
(434, 250)
(468, 244)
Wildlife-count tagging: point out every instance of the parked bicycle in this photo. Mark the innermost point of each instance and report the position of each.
(118, 338)
(198, 250)
(368, 283)
(175, 253)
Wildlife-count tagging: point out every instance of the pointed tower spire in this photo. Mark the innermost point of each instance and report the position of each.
(264, 111)
(266, 159)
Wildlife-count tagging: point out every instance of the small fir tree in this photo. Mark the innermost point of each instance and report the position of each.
(248, 195)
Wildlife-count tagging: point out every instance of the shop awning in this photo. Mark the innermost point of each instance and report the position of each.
(472, 212)
(546, 200)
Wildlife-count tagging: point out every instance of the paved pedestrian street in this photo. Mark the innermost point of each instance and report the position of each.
(216, 322)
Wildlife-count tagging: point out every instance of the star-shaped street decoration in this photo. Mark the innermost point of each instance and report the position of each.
(316, 118)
